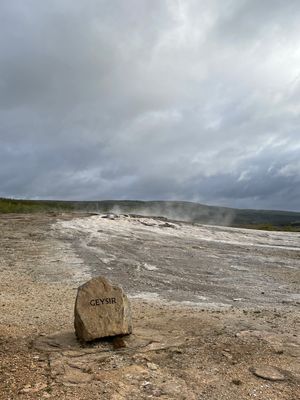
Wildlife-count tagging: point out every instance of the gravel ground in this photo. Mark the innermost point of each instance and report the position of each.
(215, 310)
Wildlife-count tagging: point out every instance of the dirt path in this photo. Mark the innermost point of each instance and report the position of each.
(212, 348)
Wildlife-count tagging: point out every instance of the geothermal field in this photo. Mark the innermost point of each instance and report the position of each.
(215, 309)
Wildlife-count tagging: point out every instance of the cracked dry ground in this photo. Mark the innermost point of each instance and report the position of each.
(176, 352)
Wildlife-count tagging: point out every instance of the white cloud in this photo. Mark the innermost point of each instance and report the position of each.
(290, 170)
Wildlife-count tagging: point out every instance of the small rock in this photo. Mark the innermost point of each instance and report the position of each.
(227, 355)
(167, 225)
(110, 216)
(33, 389)
(119, 343)
(268, 372)
(140, 358)
(76, 377)
(279, 351)
(177, 351)
(101, 310)
(236, 382)
(152, 366)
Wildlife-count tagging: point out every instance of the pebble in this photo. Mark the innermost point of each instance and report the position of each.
(152, 366)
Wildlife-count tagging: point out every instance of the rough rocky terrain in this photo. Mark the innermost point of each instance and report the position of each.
(215, 310)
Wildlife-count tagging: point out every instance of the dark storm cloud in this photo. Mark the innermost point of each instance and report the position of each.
(191, 100)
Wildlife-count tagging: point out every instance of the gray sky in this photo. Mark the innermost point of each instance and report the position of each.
(193, 100)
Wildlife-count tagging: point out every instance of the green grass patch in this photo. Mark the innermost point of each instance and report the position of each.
(31, 206)
(271, 227)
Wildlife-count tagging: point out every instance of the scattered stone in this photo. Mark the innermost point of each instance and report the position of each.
(178, 351)
(119, 343)
(236, 382)
(227, 355)
(101, 310)
(167, 225)
(268, 372)
(33, 389)
(147, 223)
(152, 366)
(279, 351)
(76, 377)
(110, 216)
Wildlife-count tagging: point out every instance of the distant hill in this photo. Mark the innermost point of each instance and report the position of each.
(175, 210)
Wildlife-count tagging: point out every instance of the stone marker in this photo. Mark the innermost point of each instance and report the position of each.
(101, 309)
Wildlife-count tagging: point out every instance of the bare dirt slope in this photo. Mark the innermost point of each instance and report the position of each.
(215, 310)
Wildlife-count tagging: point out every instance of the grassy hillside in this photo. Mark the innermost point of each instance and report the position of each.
(177, 210)
(29, 206)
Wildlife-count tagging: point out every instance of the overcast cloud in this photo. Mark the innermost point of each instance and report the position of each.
(193, 100)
